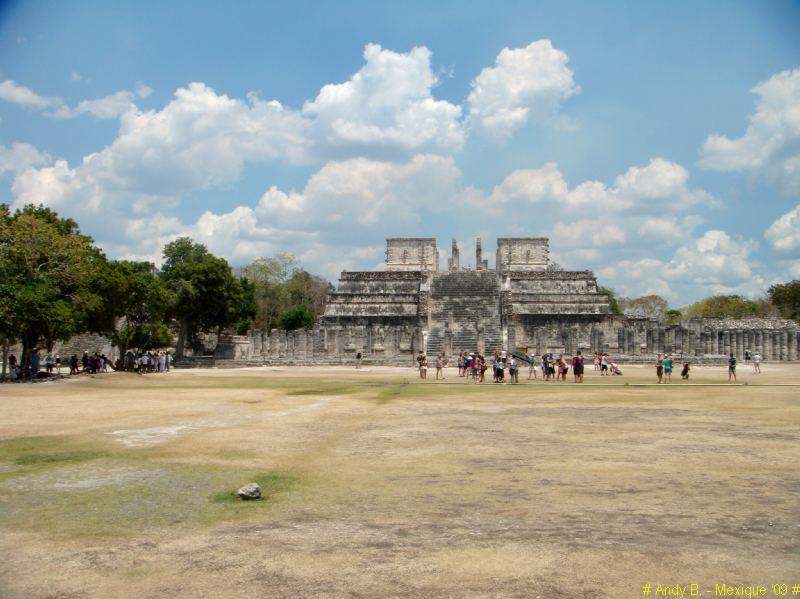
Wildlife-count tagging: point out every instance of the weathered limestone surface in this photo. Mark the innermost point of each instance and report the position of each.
(523, 304)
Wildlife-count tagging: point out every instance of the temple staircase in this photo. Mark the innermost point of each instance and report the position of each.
(469, 301)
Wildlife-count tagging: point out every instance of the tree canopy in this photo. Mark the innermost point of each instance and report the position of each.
(279, 284)
(297, 317)
(732, 306)
(47, 275)
(786, 298)
(612, 296)
(207, 294)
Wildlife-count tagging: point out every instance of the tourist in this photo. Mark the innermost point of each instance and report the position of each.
(35, 362)
(481, 369)
(167, 358)
(423, 365)
(667, 369)
(660, 368)
(532, 368)
(461, 364)
(604, 365)
(358, 360)
(757, 363)
(731, 367)
(747, 355)
(577, 367)
(615, 369)
(596, 361)
(563, 368)
(48, 364)
(58, 365)
(513, 371)
(551, 366)
(439, 366)
(85, 360)
(73, 364)
(685, 371)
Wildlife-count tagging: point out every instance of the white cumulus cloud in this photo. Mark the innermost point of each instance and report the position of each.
(109, 107)
(19, 157)
(771, 143)
(525, 83)
(388, 102)
(661, 184)
(784, 234)
(715, 263)
(23, 96)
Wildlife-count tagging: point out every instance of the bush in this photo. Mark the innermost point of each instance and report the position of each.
(299, 317)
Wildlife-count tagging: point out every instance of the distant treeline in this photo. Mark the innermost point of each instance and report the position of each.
(781, 300)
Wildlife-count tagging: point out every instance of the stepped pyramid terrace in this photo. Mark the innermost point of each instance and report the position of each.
(524, 303)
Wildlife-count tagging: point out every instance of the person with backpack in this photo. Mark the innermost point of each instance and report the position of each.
(731, 367)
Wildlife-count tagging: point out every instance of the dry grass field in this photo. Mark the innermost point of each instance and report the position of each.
(380, 485)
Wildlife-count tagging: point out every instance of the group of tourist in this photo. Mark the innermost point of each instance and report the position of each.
(473, 366)
(146, 362)
(94, 363)
(27, 370)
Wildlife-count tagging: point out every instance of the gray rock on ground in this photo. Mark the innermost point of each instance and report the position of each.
(249, 491)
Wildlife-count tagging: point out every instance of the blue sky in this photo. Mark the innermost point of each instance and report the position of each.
(657, 144)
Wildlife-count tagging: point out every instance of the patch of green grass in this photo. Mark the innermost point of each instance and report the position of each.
(48, 451)
(158, 497)
(271, 483)
(58, 457)
(323, 390)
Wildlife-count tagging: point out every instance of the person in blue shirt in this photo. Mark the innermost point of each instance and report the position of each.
(667, 368)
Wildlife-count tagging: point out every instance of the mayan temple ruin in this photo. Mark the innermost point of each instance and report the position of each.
(524, 303)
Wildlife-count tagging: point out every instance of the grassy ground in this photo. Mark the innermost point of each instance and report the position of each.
(377, 484)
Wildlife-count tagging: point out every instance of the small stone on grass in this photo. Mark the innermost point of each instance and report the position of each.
(250, 491)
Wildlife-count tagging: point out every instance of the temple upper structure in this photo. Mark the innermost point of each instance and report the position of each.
(411, 254)
(522, 253)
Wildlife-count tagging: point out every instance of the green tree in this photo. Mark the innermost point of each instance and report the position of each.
(298, 317)
(673, 316)
(732, 306)
(786, 298)
(612, 299)
(136, 304)
(47, 268)
(207, 294)
(279, 283)
(305, 288)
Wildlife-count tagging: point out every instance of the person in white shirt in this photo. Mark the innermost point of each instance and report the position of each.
(757, 363)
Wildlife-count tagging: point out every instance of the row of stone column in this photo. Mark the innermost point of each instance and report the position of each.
(771, 345)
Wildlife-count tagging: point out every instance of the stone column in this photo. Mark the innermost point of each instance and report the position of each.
(726, 342)
(776, 345)
(274, 343)
(792, 349)
(766, 339)
(759, 343)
